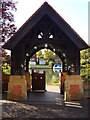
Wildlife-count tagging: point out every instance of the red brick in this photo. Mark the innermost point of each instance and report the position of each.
(74, 91)
(16, 92)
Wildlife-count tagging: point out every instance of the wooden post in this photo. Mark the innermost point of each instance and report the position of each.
(17, 60)
(17, 86)
(63, 66)
(27, 64)
(78, 63)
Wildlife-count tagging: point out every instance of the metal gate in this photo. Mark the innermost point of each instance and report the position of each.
(38, 80)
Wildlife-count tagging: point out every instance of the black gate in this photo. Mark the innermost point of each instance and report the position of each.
(38, 80)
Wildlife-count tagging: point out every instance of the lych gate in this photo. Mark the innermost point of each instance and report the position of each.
(44, 27)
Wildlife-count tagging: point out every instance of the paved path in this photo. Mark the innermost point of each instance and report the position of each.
(44, 105)
(50, 96)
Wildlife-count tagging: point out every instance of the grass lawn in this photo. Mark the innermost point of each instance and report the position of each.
(42, 65)
(54, 84)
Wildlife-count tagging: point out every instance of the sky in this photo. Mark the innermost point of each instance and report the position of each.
(75, 12)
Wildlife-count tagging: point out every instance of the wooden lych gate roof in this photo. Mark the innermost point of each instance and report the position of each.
(45, 9)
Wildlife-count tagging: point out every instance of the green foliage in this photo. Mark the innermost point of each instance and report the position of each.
(52, 78)
(51, 63)
(49, 55)
(6, 62)
(39, 54)
(85, 64)
(6, 68)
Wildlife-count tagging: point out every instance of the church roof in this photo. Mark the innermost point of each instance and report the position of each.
(45, 9)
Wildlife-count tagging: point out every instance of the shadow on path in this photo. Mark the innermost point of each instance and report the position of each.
(44, 105)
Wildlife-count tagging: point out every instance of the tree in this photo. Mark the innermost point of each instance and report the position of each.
(7, 28)
(7, 19)
(49, 55)
(85, 64)
(6, 62)
(39, 54)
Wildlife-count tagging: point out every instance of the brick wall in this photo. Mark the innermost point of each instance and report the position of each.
(73, 88)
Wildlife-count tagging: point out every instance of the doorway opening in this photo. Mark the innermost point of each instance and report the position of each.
(46, 60)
